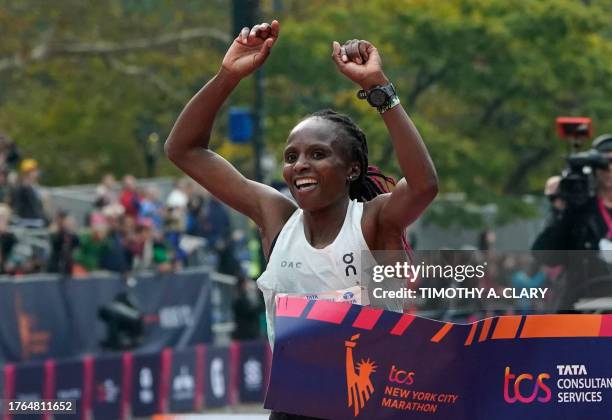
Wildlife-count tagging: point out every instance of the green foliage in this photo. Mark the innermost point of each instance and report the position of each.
(85, 114)
(483, 81)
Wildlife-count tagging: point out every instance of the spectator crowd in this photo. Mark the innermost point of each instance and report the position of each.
(130, 226)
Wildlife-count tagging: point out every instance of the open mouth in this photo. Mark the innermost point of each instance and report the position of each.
(305, 184)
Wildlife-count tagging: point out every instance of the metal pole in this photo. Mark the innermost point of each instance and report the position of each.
(258, 145)
(258, 142)
(247, 13)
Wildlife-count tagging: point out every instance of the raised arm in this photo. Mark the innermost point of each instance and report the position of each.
(360, 62)
(187, 144)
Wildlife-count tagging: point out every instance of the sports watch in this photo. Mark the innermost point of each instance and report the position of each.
(382, 98)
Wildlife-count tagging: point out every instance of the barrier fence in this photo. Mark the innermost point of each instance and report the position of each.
(140, 384)
(51, 338)
(45, 317)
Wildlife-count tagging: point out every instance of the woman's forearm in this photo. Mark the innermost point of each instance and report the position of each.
(360, 62)
(414, 160)
(194, 125)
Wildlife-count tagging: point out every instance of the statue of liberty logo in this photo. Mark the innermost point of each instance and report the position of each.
(358, 381)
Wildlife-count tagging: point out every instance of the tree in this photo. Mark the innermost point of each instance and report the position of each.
(84, 82)
(483, 80)
(82, 85)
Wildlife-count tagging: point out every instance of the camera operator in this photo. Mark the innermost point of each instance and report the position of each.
(581, 220)
(580, 227)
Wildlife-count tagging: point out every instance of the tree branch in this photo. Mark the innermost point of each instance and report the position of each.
(493, 106)
(424, 81)
(149, 76)
(529, 160)
(103, 47)
(49, 49)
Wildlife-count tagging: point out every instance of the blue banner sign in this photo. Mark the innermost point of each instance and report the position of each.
(339, 361)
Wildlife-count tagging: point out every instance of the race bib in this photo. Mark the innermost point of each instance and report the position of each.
(356, 295)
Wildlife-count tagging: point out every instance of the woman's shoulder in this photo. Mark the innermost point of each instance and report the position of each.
(275, 219)
(375, 230)
(372, 208)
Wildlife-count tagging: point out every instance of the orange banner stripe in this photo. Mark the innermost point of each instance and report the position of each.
(561, 326)
(506, 327)
(485, 329)
(472, 334)
(442, 332)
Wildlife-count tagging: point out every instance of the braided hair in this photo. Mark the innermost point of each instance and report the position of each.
(371, 181)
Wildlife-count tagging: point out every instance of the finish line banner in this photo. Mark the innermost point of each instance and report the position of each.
(338, 361)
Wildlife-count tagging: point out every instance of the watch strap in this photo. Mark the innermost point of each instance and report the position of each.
(389, 89)
(391, 103)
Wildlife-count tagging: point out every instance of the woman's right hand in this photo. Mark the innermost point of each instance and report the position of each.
(250, 49)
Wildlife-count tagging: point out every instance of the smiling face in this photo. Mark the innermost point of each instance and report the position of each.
(317, 167)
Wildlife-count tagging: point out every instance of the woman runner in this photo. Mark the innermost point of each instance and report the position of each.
(342, 205)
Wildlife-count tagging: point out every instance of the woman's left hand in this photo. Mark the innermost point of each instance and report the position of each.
(359, 61)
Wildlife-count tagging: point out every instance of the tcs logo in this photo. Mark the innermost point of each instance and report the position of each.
(512, 384)
(401, 376)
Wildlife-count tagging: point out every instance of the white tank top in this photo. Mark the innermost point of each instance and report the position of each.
(296, 267)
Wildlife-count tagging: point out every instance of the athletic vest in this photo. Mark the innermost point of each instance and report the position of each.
(296, 267)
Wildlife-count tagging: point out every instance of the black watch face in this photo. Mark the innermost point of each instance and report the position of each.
(377, 97)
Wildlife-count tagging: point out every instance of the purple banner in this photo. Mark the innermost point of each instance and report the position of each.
(182, 382)
(84, 298)
(359, 362)
(217, 377)
(69, 379)
(48, 317)
(3, 388)
(35, 324)
(176, 309)
(29, 386)
(252, 371)
(10, 346)
(146, 372)
(107, 387)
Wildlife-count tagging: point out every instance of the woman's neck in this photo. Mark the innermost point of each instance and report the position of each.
(322, 226)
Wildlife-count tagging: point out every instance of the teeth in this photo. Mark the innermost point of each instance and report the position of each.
(304, 181)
